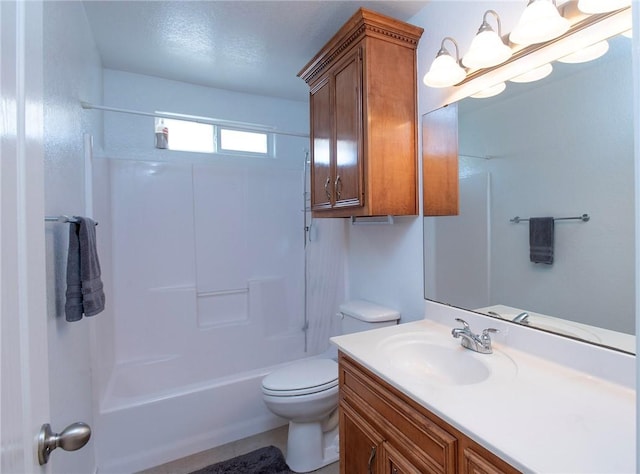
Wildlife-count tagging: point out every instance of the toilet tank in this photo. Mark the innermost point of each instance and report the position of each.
(361, 315)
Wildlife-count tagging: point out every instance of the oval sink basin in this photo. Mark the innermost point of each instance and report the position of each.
(443, 363)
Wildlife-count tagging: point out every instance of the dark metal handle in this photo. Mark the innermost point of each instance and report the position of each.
(371, 458)
(326, 187)
(337, 186)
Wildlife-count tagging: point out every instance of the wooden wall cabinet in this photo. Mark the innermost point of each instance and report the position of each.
(382, 431)
(363, 107)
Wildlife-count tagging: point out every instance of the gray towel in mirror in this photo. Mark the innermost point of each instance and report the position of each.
(85, 294)
(541, 238)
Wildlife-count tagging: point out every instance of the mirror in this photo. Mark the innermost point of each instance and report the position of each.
(560, 147)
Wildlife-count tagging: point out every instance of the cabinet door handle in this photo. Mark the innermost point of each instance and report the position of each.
(326, 187)
(337, 186)
(371, 458)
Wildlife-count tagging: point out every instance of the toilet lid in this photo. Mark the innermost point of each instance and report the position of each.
(301, 378)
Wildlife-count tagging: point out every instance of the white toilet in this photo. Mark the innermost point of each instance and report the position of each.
(306, 393)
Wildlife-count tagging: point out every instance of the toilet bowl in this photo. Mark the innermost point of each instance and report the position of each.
(306, 393)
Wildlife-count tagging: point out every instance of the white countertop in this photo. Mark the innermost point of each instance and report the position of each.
(541, 417)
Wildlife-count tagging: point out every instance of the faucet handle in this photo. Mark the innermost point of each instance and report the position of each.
(463, 322)
(488, 330)
(485, 333)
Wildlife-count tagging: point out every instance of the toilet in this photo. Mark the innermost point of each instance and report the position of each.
(306, 393)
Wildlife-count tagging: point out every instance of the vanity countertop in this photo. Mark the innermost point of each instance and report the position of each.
(539, 416)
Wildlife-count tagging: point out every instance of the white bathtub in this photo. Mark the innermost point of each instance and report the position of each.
(145, 420)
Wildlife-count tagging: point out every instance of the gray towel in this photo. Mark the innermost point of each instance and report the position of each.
(85, 294)
(541, 237)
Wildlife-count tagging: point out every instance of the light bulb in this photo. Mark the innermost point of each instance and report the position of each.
(444, 72)
(487, 48)
(541, 21)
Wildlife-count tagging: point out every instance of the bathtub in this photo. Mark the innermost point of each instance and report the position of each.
(146, 418)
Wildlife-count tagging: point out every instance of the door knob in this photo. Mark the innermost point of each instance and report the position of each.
(73, 437)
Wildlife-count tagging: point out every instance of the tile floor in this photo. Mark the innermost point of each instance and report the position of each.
(277, 437)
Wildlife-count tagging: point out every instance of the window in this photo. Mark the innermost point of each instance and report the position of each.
(184, 135)
(241, 141)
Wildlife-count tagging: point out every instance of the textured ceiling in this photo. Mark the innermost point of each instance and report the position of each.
(256, 47)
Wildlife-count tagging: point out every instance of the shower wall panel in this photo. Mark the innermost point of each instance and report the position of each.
(208, 264)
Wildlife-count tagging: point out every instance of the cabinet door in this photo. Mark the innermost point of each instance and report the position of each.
(396, 463)
(475, 461)
(321, 133)
(360, 444)
(348, 179)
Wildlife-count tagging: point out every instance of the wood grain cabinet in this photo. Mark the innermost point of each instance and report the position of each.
(382, 431)
(363, 111)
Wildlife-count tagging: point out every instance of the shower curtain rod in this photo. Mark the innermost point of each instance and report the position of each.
(249, 127)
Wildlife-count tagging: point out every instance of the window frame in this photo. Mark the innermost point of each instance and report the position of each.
(217, 131)
(217, 141)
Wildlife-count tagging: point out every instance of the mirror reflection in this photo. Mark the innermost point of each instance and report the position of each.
(559, 147)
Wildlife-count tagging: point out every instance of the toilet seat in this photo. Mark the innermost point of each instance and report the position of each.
(302, 378)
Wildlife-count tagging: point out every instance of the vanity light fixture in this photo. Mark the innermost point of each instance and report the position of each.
(541, 21)
(586, 54)
(490, 91)
(487, 48)
(445, 71)
(601, 6)
(535, 74)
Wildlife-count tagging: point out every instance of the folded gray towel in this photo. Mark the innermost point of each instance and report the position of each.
(541, 238)
(85, 292)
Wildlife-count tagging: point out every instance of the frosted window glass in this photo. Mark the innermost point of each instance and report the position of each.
(249, 142)
(189, 136)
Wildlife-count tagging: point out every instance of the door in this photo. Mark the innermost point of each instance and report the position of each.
(321, 135)
(360, 444)
(24, 389)
(348, 176)
(26, 401)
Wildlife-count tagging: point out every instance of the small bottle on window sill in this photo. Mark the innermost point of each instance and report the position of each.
(162, 135)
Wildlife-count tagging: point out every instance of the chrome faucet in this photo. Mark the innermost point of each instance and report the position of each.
(522, 318)
(478, 343)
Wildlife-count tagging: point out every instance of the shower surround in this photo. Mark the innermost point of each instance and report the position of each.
(206, 256)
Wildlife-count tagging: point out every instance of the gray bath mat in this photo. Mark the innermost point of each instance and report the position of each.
(267, 460)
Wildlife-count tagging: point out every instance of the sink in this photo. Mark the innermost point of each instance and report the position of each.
(433, 361)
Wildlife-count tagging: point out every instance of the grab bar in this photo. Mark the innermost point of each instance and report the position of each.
(64, 219)
(583, 218)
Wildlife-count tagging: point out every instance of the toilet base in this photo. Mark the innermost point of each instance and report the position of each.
(309, 448)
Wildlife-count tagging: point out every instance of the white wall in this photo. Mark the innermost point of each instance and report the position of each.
(72, 72)
(386, 262)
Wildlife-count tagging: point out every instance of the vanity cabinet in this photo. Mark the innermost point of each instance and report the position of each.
(384, 431)
(363, 113)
